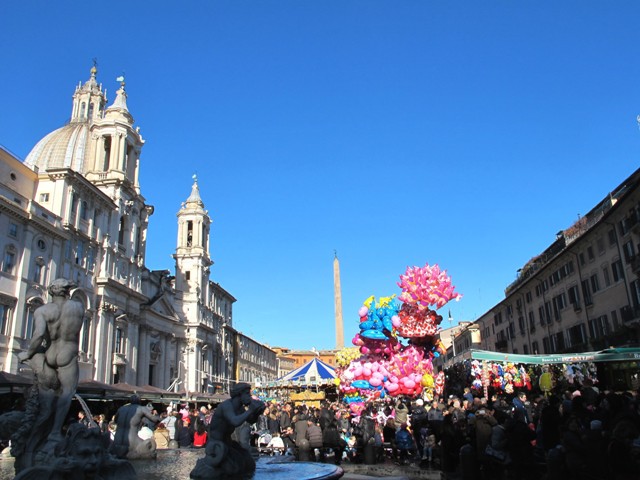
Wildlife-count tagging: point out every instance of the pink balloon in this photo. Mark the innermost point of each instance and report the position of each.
(366, 372)
(358, 370)
(364, 350)
(408, 383)
(363, 311)
(392, 387)
(375, 381)
(395, 321)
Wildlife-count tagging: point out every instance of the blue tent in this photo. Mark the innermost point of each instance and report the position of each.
(316, 372)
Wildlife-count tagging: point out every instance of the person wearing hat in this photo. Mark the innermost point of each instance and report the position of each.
(419, 420)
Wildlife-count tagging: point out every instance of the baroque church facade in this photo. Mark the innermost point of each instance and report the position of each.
(74, 209)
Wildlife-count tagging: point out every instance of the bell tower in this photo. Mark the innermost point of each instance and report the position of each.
(115, 144)
(192, 253)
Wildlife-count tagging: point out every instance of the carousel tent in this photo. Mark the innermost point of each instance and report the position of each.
(316, 372)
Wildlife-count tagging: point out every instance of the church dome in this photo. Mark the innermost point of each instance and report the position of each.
(63, 148)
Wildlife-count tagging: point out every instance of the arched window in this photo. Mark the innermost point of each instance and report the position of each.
(83, 108)
(90, 116)
(107, 153)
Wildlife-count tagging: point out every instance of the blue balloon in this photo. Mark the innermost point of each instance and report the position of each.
(364, 384)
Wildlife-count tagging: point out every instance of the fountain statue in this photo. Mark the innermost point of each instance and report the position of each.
(224, 457)
(127, 443)
(40, 448)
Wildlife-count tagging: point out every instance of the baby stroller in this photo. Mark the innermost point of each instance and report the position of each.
(263, 441)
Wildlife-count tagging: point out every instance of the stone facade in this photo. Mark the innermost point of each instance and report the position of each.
(74, 209)
(581, 294)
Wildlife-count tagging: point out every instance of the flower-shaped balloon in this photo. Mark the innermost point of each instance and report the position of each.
(427, 287)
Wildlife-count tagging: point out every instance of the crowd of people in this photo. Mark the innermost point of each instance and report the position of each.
(177, 427)
(575, 434)
(581, 433)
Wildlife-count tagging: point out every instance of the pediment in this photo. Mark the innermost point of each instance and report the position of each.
(163, 307)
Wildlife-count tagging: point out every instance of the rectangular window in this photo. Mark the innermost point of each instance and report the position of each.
(577, 335)
(86, 325)
(44, 197)
(80, 253)
(547, 312)
(599, 327)
(612, 237)
(629, 251)
(541, 316)
(581, 258)
(614, 320)
(546, 345)
(559, 303)
(590, 254)
(532, 322)
(616, 269)
(9, 262)
(574, 297)
(119, 340)
(5, 311)
(595, 285)
(527, 297)
(13, 230)
(586, 292)
(521, 323)
(525, 349)
(605, 275)
(600, 245)
(534, 348)
(623, 227)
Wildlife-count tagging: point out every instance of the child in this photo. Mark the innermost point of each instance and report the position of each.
(428, 444)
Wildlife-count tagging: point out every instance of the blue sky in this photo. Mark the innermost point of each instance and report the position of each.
(462, 133)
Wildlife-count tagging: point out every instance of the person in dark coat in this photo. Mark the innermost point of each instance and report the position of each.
(331, 439)
(300, 428)
(314, 434)
(183, 434)
(285, 417)
(404, 443)
(519, 437)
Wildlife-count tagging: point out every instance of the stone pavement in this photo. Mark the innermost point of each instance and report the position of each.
(389, 471)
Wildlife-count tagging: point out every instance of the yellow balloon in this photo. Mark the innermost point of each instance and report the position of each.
(546, 382)
(427, 381)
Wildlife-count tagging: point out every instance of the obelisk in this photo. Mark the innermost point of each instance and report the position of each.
(337, 294)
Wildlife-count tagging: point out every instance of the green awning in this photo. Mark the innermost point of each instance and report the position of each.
(609, 355)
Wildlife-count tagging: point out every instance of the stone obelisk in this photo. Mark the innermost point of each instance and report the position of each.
(337, 299)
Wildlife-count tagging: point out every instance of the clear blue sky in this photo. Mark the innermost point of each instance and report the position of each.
(462, 133)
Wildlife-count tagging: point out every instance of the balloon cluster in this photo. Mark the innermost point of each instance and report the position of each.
(426, 287)
(386, 366)
(347, 355)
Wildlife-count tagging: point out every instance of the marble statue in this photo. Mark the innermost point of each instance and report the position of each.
(40, 448)
(225, 458)
(127, 443)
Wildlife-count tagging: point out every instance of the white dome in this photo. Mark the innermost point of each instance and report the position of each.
(63, 148)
